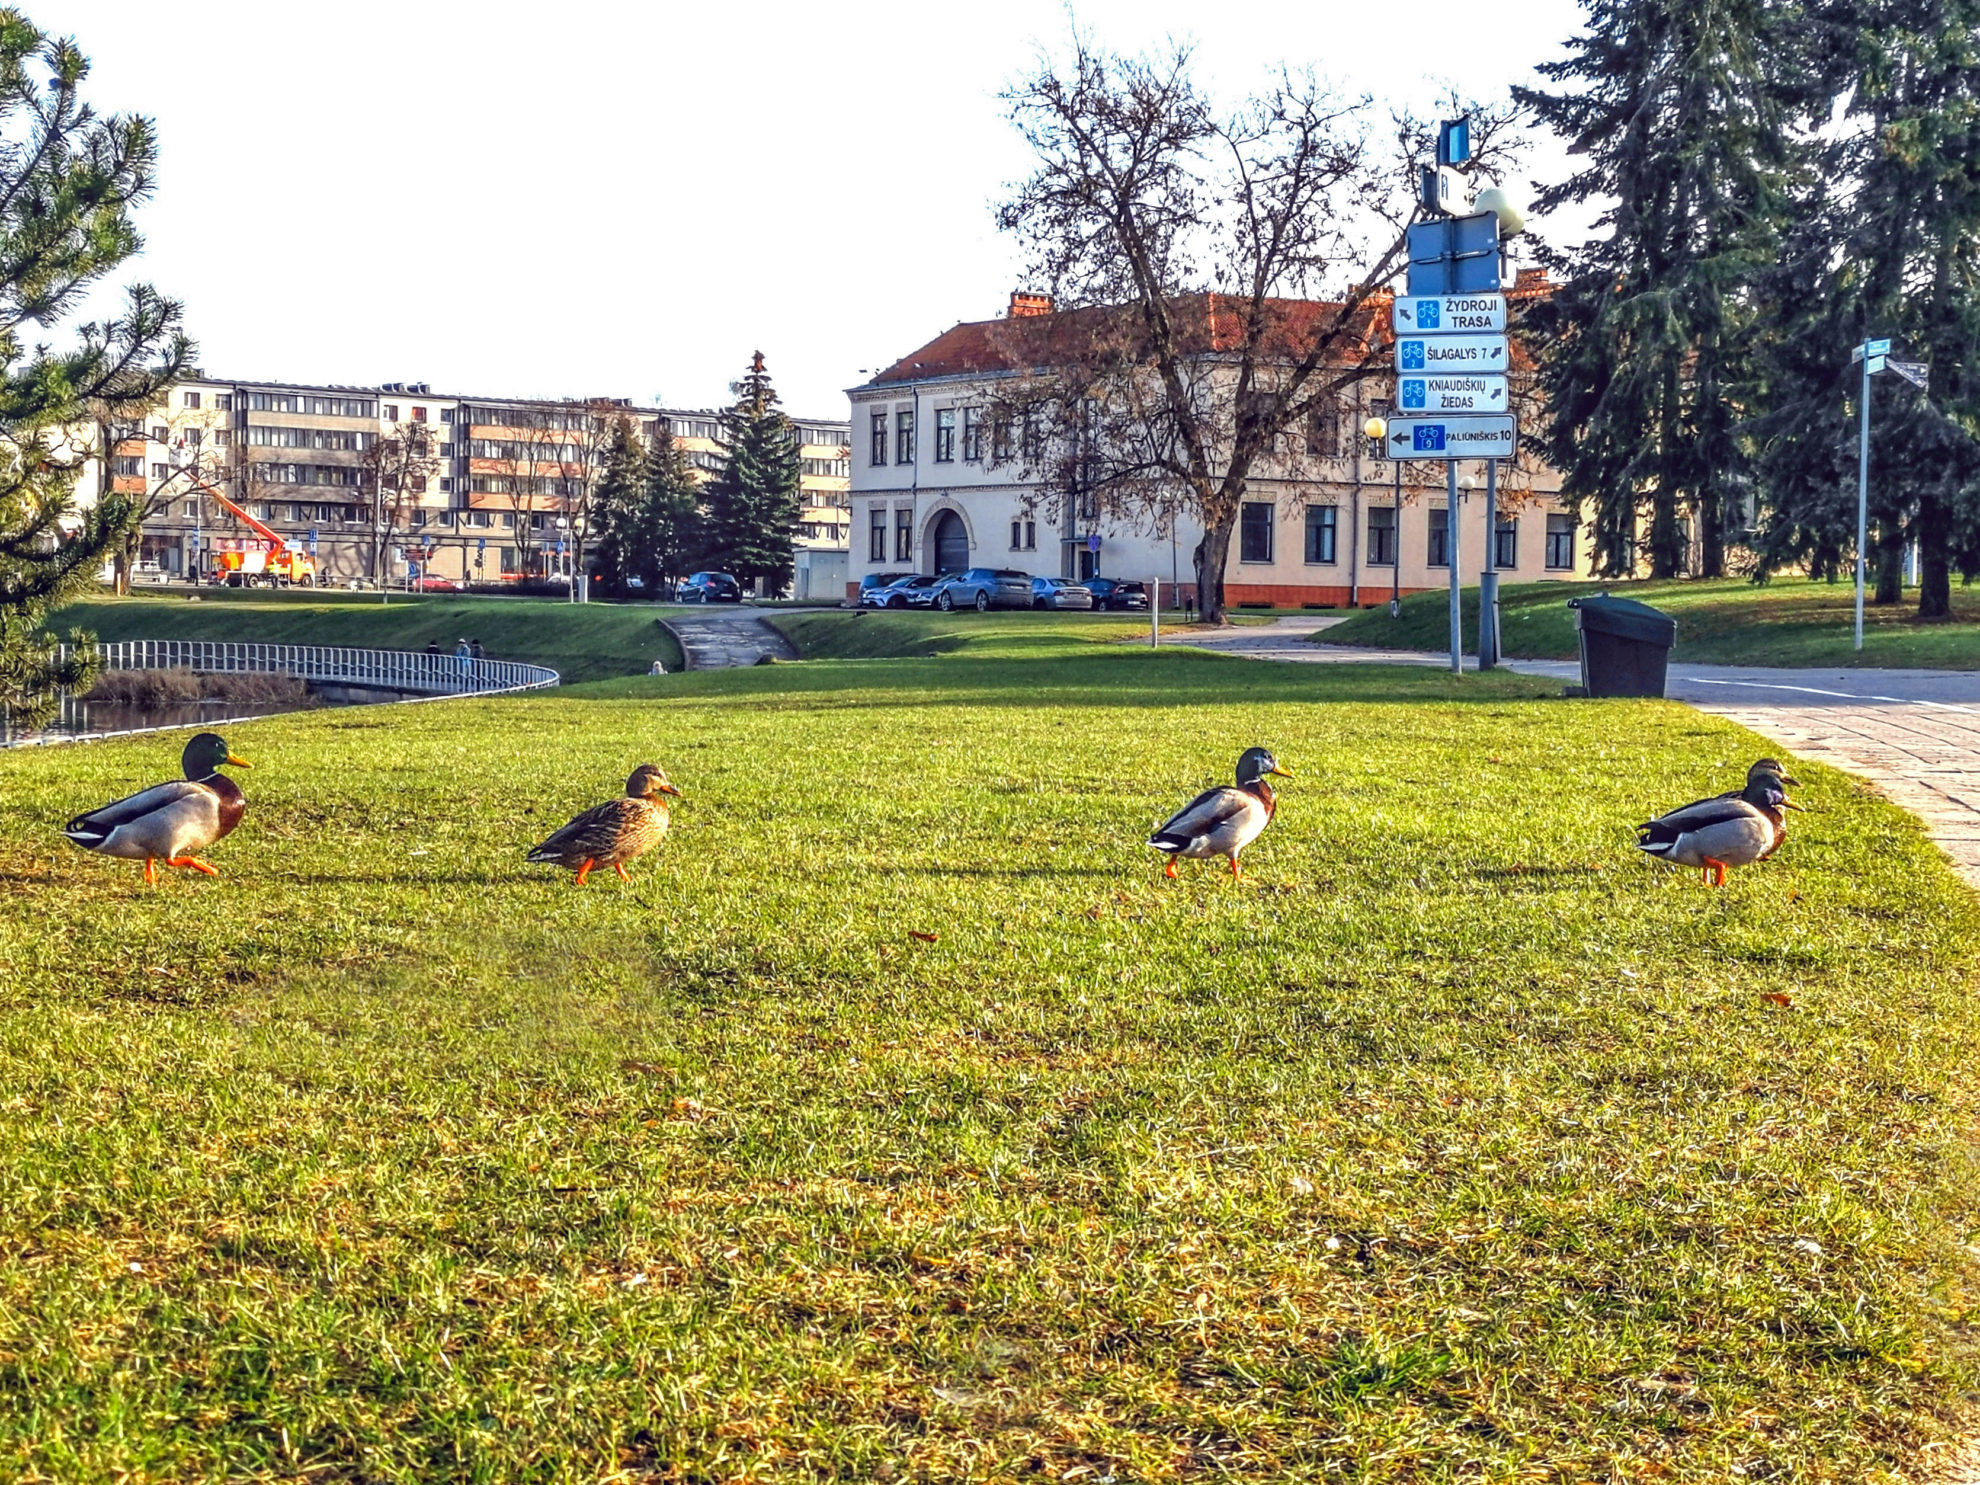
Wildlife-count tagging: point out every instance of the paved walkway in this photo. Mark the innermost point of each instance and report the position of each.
(727, 636)
(1914, 734)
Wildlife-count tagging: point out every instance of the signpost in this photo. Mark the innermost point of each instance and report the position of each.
(1452, 393)
(1874, 356)
(1452, 363)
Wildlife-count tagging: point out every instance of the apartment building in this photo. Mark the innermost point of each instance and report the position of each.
(476, 488)
(932, 491)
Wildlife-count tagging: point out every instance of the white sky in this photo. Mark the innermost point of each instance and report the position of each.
(627, 199)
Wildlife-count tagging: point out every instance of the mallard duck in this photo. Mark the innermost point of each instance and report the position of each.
(613, 833)
(1224, 820)
(169, 822)
(1713, 834)
(1770, 769)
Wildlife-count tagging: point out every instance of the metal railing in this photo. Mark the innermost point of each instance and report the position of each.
(412, 672)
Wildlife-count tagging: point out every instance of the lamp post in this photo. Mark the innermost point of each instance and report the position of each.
(1377, 429)
(563, 550)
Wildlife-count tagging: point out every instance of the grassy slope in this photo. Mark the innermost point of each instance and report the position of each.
(1459, 1144)
(1788, 622)
(582, 641)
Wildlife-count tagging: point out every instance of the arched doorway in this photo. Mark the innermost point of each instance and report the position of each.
(951, 543)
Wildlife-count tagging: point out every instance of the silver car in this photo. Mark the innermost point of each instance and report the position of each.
(1051, 592)
(983, 588)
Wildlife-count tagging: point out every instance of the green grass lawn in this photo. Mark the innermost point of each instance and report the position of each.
(900, 1122)
(1790, 621)
(583, 641)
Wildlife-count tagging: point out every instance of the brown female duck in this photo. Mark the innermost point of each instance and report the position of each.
(613, 833)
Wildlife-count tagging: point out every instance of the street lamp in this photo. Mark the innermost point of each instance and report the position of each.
(1377, 429)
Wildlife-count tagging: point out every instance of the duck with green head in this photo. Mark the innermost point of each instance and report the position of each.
(1721, 832)
(169, 822)
(1224, 820)
(613, 833)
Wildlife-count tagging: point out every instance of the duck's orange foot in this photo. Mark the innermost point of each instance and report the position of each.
(1170, 871)
(620, 868)
(150, 872)
(584, 871)
(1237, 872)
(196, 865)
(1717, 868)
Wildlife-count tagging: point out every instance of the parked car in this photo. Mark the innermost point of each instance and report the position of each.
(1118, 593)
(983, 588)
(916, 591)
(1050, 592)
(708, 587)
(873, 582)
(436, 585)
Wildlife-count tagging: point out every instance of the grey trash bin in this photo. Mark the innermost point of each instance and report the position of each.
(1625, 645)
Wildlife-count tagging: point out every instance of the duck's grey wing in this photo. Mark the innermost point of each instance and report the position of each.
(1693, 818)
(589, 834)
(1200, 816)
(97, 826)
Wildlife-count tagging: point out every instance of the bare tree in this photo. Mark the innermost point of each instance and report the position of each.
(196, 453)
(1218, 283)
(396, 470)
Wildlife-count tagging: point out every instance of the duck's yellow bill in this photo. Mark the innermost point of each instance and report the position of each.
(1284, 773)
(239, 762)
(668, 789)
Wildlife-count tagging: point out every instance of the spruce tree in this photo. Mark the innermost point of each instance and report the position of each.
(619, 506)
(1682, 109)
(68, 182)
(752, 510)
(1889, 248)
(673, 515)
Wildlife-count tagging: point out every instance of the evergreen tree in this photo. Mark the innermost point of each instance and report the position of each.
(752, 510)
(673, 515)
(68, 182)
(1682, 108)
(619, 507)
(1889, 247)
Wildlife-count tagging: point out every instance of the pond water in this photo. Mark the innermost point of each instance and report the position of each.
(97, 719)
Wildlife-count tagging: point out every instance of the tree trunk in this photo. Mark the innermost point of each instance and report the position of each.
(1666, 550)
(1934, 558)
(1711, 536)
(1210, 557)
(1887, 559)
(1614, 537)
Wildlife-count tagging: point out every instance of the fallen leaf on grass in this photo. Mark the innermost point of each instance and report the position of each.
(1776, 997)
(688, 1108)
(926, 938)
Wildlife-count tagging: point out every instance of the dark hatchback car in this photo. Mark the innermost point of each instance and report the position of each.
(708, 587)
(1118, 593)
(917, 591)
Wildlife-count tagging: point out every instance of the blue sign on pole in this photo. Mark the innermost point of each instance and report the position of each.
(481, 543)
(1429, 438)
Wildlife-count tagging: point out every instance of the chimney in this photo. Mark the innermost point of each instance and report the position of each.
(1024, 305)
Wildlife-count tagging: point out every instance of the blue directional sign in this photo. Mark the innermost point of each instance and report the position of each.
(1449, 314)
(1454, 142)
(1479, 354)
(1452, 393)
(481, 543)
(1455, 255)
(1491, 437)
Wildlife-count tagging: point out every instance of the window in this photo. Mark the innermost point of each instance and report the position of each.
(419, 414)
(945, 436)
(1440, 532)
(446, 484)
(192, 400)
(1560, 542)
(160, 433)
(876, 543)
(1505, 545)
(128, 465)
(1255, 532)
(904, 436)
(161, 471)
(1322, 532)
(223, 401)
(1024, 536)
(1000, 441)
(419, 484)
(1382, 536)
(222, 437)
(508, 520)
(972, 420)
(190, 510)
(1323, 433)
(446, 415)
(391, 411)
(878, 454)
(903, 536)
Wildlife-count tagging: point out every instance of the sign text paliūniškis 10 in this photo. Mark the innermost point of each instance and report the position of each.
(1451, 438)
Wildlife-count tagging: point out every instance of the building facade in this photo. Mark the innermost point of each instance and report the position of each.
(1334, 527)
(473, 488)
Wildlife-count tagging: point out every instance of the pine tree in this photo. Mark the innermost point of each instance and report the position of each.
(1890, 249)
(1683, 109)
(673, 515)
(752, 510)
(68, 182)
(619, 507)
